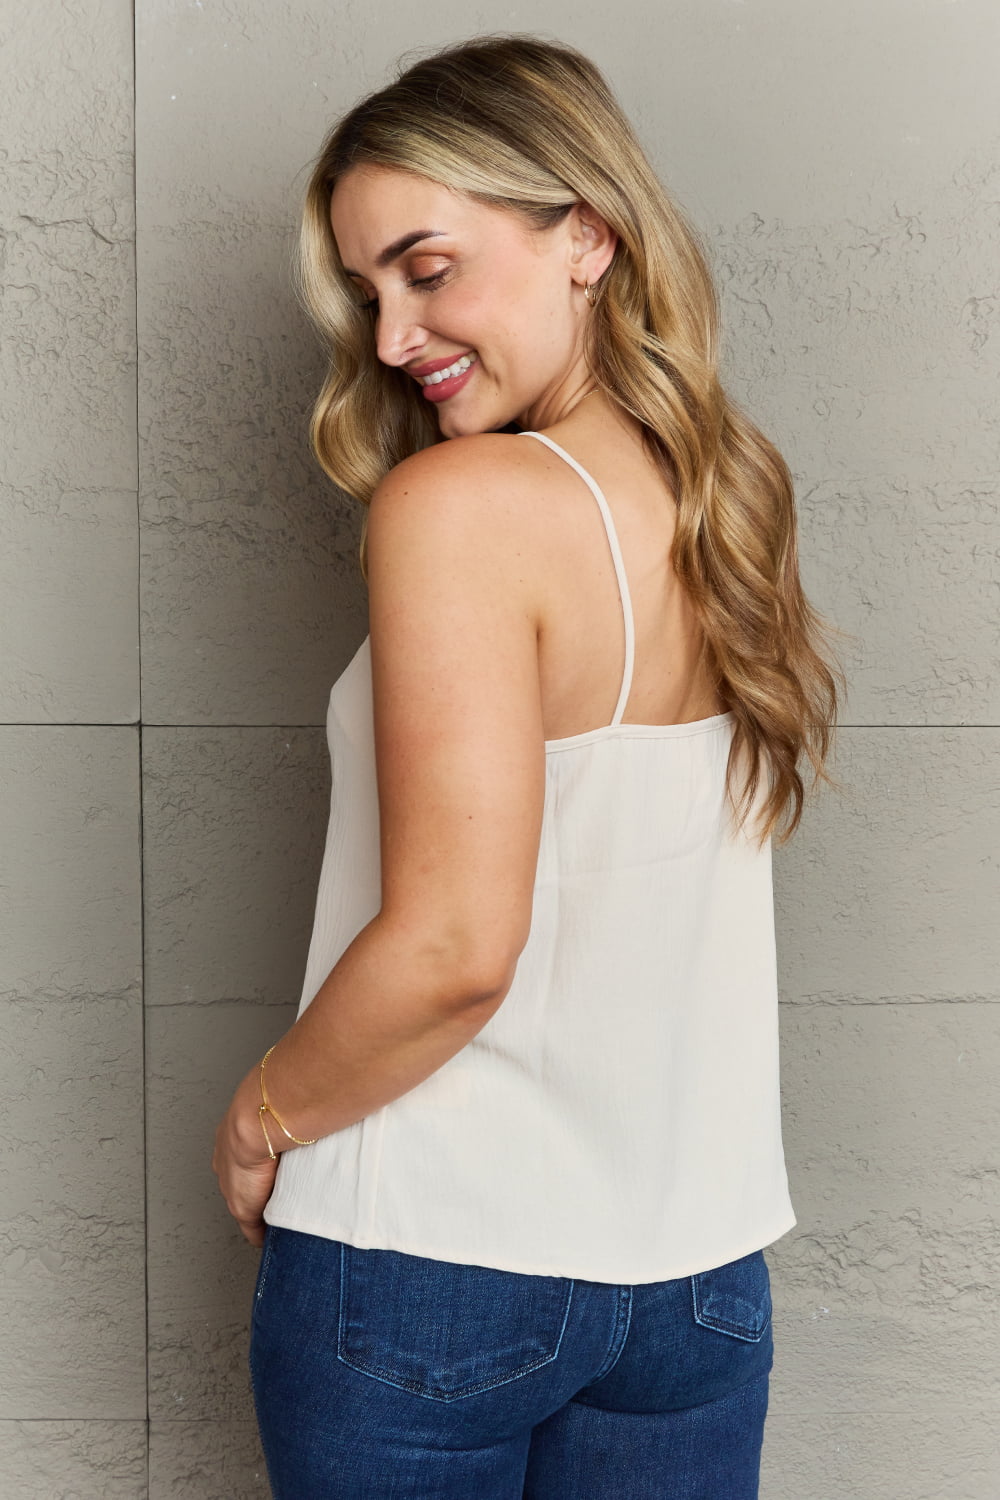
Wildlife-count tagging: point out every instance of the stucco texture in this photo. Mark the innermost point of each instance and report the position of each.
(179, 589)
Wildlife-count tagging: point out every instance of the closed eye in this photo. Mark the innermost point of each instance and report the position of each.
(425, 283)
(429, 282)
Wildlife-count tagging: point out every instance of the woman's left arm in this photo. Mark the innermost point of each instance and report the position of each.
(460, 762)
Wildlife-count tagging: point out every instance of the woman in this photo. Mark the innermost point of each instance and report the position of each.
(528, 1117)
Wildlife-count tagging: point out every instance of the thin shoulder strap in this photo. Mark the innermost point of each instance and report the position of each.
(616, 556)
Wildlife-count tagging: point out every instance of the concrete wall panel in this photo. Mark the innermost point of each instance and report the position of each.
(71, 1120)
(234, 822)
(67, 367)
(68, 563)
(825, 320)
(879, 1455)
(71, 1222)
(210, 1460)
(906, 567)
(67, 376)
(201, 1269)
(825, 317)
(42, 1459)
(891, 893)
(69, 800)
(793, 111)
(249, 554)
(884, 1293)
(56, 324)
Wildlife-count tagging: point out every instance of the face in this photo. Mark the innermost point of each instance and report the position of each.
(473, 291)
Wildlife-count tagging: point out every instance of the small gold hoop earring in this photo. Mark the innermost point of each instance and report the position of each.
(590, 292)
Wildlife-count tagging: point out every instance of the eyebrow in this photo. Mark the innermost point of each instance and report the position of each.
(399, 247)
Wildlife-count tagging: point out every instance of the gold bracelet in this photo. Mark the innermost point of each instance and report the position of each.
(267, 1108)
(270, 1149)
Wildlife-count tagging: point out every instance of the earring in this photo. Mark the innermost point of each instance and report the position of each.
(590, 292)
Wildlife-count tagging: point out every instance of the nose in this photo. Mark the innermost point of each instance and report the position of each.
(398, 336)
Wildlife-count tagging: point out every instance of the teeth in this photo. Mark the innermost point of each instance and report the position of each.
(448, 374)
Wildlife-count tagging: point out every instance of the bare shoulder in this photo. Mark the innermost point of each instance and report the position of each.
(472, 502)
(488, 476)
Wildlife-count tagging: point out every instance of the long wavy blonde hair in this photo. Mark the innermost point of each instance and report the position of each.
(532, 127)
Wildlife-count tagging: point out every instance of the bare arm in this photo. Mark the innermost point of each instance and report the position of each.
(460, 768)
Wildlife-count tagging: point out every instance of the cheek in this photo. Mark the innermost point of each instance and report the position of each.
(462, 314)
(513, 318)
(542, 305)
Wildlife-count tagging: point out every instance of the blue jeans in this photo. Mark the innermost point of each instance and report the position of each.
(379, 1375)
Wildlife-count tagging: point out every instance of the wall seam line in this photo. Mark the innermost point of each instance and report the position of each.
(139, 727)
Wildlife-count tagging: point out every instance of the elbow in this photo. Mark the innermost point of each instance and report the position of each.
(480, 974)
(489, 977)
(463, 965)
(491, 945)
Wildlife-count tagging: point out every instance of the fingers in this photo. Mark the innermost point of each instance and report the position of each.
(247, 1210)
(245, 1193)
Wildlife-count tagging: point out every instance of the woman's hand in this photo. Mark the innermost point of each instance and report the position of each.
(241, 1162)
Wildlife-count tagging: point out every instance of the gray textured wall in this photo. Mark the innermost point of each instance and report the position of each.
(843, 161)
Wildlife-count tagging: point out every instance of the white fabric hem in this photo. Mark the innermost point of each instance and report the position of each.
(758, 1241)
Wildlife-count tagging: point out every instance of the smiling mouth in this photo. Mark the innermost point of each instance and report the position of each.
(458, 368)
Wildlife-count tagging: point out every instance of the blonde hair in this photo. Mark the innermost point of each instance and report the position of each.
(532, 127)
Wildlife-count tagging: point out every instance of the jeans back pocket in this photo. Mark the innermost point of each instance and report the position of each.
(444, 1330)
(735, 1298)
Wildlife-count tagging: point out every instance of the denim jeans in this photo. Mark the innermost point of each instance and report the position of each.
(379, 1375)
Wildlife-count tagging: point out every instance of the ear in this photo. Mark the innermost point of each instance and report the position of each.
(592, 243)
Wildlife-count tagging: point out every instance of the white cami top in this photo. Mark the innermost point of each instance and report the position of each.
(618, 1117)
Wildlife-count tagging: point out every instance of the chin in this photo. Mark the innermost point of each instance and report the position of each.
(468, 428)
(456, 426)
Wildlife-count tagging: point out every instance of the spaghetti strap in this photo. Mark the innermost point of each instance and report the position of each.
(616, 556)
